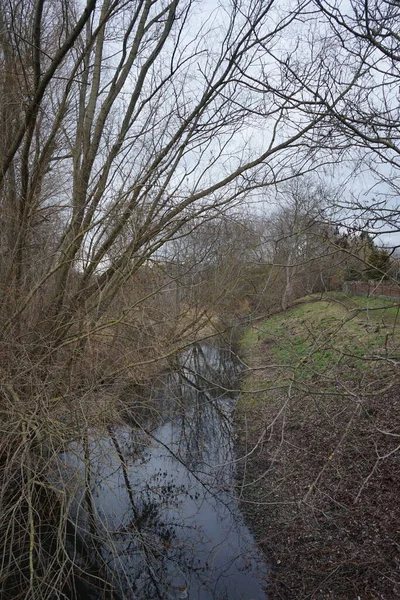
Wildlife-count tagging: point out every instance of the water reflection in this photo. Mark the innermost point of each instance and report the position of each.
(156, 506)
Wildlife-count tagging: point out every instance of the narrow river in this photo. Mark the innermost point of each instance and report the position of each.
(156, 506)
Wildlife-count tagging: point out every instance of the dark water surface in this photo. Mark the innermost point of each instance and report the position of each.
(156, 507)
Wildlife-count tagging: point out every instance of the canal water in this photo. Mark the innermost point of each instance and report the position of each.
(155, 506)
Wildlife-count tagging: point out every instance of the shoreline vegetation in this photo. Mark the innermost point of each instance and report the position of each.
(177, 170)
(315, 424)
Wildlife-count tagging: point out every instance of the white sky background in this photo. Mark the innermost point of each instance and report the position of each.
(253, 136)
(239, 143)
(359, 183)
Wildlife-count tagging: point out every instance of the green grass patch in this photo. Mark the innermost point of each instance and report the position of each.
(326, 343)
(375, 308)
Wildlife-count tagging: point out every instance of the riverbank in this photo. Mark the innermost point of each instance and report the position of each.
(317, 419)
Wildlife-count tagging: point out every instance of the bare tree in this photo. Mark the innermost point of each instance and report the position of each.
(216, 261)
(127, 127)
(300, 240)
(134, 125)
(365, 36)
(122, 123)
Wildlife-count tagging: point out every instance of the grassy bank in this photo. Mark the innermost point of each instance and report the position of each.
(319, 422)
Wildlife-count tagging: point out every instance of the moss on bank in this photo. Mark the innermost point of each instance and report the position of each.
(317, 419)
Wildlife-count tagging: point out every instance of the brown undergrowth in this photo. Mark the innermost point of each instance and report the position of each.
(319, 424)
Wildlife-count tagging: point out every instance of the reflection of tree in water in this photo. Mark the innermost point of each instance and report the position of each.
(141, 545)
(145, 514)
(203, 422)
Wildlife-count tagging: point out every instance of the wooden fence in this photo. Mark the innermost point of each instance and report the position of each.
(373, 288)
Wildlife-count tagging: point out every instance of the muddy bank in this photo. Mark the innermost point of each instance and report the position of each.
(319, 501)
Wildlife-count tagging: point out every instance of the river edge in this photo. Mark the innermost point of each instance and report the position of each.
(208, 408)
(248, 427)
(321, 547)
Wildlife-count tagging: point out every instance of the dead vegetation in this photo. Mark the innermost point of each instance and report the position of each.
(320, 487)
